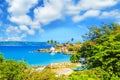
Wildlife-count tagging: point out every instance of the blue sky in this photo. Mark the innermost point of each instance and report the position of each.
(61, 20)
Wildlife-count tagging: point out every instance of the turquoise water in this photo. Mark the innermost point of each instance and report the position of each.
(33, 58)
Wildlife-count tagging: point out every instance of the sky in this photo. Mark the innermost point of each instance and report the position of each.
(60, 20)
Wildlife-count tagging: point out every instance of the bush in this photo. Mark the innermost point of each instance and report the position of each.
(19, 70)
(11, 70)
(70, 49)
(74, 58)
(93, 74)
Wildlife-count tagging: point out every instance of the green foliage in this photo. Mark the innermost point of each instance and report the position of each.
(74, 58)
(36, 75)
(102, 49)
(47, 75)
(86, 50)
(19, 70)
(117, 37)
(11, 70)
(93, 74)
(107, 55)
(94, 32)
(1, 58)
(71, 49)
(78, 43)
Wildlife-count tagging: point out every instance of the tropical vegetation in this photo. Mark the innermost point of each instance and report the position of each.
(19, 70)
(101, 50)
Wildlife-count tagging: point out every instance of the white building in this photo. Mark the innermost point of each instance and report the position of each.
(52, 50)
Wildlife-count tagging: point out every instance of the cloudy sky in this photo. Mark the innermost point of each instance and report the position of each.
(61, 20)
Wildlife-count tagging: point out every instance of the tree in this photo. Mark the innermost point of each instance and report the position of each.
(75, 58)
(107, 55)
(48, 42)
(93, 33)
(72, 39)
(51, 41)
(55, 42)
(103, 50)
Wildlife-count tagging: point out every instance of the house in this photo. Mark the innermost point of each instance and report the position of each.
(52, 50)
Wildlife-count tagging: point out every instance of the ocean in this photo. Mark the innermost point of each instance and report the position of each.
(29, 55)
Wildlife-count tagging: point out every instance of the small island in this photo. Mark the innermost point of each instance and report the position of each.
(63, 48)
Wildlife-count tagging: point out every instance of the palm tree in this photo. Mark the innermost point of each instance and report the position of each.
(72, 39)
(48, 41)
(51, 42)
(55, 42)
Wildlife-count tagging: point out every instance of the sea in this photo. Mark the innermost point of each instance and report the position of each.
(29, 54)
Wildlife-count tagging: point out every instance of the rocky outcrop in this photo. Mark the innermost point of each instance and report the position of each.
(62, 48)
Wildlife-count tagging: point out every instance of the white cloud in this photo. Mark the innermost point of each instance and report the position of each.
(72, 9)
(27, 30)
(83, 5)
(22, 19)
(31, 32)
(90, 13)
(24, 28)
(56, 9)
(18, 33)
(35, 25)
(46, 15)
(14, 33)
(16, 38)
(96, 4)
(51, 11)
(20, 7)
(111, 14)
(92, 8)
(18, 10)
(12, 29)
